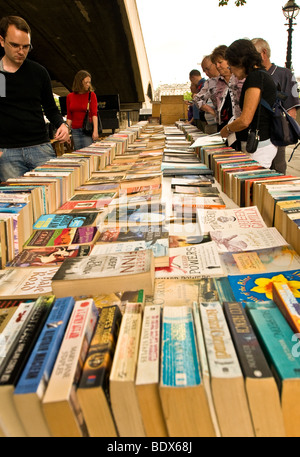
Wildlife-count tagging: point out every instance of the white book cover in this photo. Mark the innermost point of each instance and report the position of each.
(234, 240)
(190, 262)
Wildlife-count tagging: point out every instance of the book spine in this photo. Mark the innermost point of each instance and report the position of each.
(8, 337)
(276, 339)
(250, 354)
(37, 371)
(179, 363)
(99, 359)
(149, 351)
(222, 358)
(124, 365)
(72, 353)
(26, 341)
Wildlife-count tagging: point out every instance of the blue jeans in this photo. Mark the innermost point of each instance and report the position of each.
(15, 162)
(80, 140)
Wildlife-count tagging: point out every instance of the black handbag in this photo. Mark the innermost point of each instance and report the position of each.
(88, 126)
(253, 135)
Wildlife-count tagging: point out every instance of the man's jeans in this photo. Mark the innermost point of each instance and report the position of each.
(14, 162)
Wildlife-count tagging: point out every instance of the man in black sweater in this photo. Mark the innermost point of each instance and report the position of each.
(24, 139)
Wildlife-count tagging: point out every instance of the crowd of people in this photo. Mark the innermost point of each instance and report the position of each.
(238, 77)
(228, 101)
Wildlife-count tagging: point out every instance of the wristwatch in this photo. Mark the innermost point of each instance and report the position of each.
(228, 129)
(69, 128)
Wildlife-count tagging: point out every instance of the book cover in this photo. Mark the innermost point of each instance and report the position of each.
(227, 381)
(259, 287)
(237, 240)
(280, 258)
(60, 403)
(190, 262)
(231, 218)
(281, 348)
(181, 386)
(26, 282)
(61, 221)
(34, 379)
(61, 237)
(106, 273)
(93, 389)
(262, 392)
(136, 214)
(173, 292)
(288, 302)
(51, 256)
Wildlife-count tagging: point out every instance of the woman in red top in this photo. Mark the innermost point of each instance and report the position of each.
(77, 102)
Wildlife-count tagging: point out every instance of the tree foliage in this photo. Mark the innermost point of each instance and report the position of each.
(237, 2)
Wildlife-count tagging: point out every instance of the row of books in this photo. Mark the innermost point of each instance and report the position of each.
(165, 266)
(247, 183)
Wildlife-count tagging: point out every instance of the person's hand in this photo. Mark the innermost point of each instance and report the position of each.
(95, 135)
(224, 132)
(62, 134)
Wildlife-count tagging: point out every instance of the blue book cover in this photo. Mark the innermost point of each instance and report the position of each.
(36, 374)
(11, 207)
(180, 364)
(258, 287)
(61, 221)
(277, 339)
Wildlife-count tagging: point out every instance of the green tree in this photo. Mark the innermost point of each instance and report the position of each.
(237, 2)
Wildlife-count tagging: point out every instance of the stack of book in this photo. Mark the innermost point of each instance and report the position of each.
(140, 304)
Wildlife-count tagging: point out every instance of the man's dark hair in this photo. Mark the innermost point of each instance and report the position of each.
(17, 21)
(195, 73)
(243, 53)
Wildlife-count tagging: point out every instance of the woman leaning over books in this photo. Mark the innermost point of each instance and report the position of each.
(77, 104)
(246, 62)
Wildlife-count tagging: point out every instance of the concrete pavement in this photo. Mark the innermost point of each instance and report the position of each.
(293, 167)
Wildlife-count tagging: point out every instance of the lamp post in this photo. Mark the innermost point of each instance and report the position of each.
(290, 11)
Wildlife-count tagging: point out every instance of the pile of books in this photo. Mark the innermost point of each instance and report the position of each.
(137, 303)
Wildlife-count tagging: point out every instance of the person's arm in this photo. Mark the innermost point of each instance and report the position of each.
(293, 112)
(251, 101)
(93, 109)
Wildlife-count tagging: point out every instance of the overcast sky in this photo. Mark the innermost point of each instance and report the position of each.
(178, 33)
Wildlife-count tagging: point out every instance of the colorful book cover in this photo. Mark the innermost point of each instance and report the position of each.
(61, 221)
(258, 287)
(13, 366)
(36, 374)
(50, 256)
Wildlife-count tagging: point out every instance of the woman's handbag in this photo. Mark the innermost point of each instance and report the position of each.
(87, 125)
(253, 135)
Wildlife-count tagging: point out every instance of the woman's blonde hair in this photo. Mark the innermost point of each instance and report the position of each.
(77, 83)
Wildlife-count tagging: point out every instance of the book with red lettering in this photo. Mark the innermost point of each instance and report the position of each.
(231, 218)
(105, 274)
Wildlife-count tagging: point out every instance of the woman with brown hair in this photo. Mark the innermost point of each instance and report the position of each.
(77, 103)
